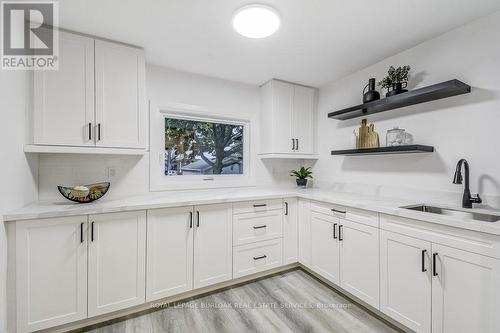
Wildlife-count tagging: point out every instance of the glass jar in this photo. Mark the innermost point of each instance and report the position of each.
(396, 137)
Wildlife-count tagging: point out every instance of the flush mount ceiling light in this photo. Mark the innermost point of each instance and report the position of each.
(256, 21)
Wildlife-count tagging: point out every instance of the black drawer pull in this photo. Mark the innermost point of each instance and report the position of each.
(260, 257)
(286, 208)
(338, 211)
(335, 231)
(259, 205)
(434, 271)
(423, 261)
(341, 234)
(81, 232)
(260, 226)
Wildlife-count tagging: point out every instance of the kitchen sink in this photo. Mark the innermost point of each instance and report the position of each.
(456, 213)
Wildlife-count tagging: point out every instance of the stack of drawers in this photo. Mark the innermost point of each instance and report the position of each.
(257, 236)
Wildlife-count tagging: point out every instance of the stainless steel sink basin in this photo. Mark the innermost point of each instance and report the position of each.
(456, 213)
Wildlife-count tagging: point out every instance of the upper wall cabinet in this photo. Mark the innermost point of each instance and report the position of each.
(287, 120)
(95, 99)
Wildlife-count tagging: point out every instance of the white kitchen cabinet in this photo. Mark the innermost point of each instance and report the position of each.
(290, 231)
(95, 99)
(359, 260)
(287, 123)
(465, 292)
(405, 280)
(169, 252)
(257, 257)
(325, 250)
(304, 208)
(116, 261)
(212, 244)
(64, 99)
(257, 226)
(120, 95)
(51, 272)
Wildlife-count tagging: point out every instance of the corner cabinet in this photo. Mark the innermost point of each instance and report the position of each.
(95, 99)
(287, 119)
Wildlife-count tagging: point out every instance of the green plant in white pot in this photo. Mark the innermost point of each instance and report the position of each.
(302, 174)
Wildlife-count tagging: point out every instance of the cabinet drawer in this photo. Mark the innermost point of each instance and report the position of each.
(254, 227)
(256, 206)
(256, 257)
(348, 213)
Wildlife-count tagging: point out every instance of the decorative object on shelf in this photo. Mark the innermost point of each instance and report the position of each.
(367, 137)
(398, 137)
(302, 174)
(396, 80)
(85, 193)
(371, 94)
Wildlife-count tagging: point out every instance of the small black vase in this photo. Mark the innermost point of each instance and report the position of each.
(371, 95)
(397, 88)
(301, 182)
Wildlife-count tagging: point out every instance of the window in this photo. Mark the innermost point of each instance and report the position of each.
(195, 148)
(202, 148)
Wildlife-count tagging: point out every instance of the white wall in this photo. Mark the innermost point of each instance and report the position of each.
(465, 126)
(17, 171)
(165, 86)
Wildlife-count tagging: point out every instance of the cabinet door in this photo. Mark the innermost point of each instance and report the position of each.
(465, 292)
(170, 252)
(359, 261)
(290, 231)
(405, 280)
(64, 99)
(213, 262)
(51, 260)
(303, 119)
(117, 261)
(305, 232)
(120, 99)
(325, 246)
(282, 117)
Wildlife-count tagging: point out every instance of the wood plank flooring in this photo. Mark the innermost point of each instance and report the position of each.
(292, 301)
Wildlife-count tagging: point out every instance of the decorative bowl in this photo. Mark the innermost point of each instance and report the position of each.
(84, 194)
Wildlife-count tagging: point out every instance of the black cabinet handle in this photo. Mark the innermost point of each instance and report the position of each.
(260, 257)
(92, 231)
(297, 144)
(190, 220)
(81, 232)
(293, 144)
(286, 208)
(90, 131)
(197, 218)
(335, 231)
(260, 226)
(423, 261)
(434, 271)
(341, 234)
(259, 205)
(338, 211)
(99, 132)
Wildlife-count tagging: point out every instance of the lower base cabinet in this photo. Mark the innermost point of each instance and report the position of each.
(325, 246)
(117, 261)
(290, 231)
(51, 272)
(213, 245)
(169, 268)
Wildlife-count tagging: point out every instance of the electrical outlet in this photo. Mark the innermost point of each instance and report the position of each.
(111, 172)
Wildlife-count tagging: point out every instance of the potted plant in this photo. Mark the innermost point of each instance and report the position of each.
(396, 80)
(302, 174)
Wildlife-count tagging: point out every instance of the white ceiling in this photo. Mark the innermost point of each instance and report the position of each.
(319, 40)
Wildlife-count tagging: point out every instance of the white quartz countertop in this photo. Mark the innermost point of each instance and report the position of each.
(390, 206)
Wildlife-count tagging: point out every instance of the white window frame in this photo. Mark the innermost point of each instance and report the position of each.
(157, 179)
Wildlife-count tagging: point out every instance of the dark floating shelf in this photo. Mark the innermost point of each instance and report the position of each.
(417, 96)
(409, 149)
